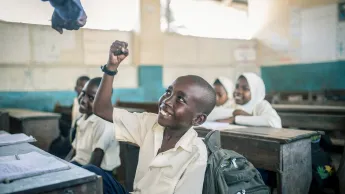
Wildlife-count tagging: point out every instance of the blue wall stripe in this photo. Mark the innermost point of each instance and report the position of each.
(304, 77)
(150, 89)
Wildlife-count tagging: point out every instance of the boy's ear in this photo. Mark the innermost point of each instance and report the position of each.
(199, 119)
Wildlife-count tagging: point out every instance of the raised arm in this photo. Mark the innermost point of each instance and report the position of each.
(102, 105)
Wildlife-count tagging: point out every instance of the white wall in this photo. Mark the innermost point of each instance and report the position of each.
(36, 58)
(300, 31)
(206, 57)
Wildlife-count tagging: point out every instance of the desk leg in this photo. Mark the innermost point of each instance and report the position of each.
(296, 174)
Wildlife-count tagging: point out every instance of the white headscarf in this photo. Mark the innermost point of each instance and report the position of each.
(225, 110)
(257, 90)
(229, 88)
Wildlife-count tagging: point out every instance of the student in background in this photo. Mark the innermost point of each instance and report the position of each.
(62, 144)
(172, 158)
(81, 81)
(95, 142)
(251, 107)
(224, 88)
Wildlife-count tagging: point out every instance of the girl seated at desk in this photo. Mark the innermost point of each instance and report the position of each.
(224, 88)
(251, 108)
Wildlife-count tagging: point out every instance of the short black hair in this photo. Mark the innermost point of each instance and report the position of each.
(209, 94)
(83, 78)
(217, 82)
(95, 81)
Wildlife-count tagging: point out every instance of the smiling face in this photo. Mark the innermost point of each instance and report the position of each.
(86, 98)
(242, 94)
(178, 106)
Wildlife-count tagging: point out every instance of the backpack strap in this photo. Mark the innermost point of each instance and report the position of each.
(212, 141)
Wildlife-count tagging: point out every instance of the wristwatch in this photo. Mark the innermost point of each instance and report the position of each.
(107, 71)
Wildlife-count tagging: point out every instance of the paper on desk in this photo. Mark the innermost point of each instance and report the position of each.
(220, 126)
(28, 165)
(9, 139)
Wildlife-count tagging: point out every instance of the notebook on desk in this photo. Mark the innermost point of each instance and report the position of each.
(27, 165)
(9, 139)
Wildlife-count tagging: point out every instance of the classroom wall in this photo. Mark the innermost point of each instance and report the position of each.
(39, 67)
(207, 57)
(299, 38)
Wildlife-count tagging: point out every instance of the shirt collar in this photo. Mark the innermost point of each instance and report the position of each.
(185, 142)
(83, 122)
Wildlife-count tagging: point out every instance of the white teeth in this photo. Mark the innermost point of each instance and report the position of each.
(165, 113)
(238, 97)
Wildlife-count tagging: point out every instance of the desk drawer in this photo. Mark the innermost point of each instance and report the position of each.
(44, 130)
(93, 187)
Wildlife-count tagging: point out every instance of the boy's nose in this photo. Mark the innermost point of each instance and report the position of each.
(83, 100)
(169, 101)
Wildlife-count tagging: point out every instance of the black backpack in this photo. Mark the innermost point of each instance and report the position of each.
(228, 172)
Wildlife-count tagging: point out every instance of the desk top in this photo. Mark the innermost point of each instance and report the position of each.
(23, 114)
(137, 110)
(308, 108)
(281, 135)
(45, 182)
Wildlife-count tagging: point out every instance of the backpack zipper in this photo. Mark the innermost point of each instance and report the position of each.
(254, 189)
(241, 192)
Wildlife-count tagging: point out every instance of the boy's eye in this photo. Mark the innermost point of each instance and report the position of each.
(82, 93)
(180, 98)
(246, 88)
(91, 98)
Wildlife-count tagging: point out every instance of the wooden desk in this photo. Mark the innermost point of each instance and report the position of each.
(284, 151)
(137, 110)
(44, 126)
(4, 121)
(325, 118)
(74, 180)
(309, 108)
(129, 154)
(146, 106)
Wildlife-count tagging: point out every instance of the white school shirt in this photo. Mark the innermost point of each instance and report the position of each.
(179, 170)
(264, 115)
(92, 133)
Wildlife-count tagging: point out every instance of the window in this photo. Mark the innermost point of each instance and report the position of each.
(204, 18)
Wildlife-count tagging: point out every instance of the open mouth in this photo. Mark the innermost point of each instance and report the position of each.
(82, 106)
(238, 97)
(164, 113)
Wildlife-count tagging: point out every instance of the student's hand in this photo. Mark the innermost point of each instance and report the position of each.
(238, 112)
(230, 120)
(117, 53)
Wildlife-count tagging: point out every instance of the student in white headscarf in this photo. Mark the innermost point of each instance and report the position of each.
(224, 88)
(251, 107)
